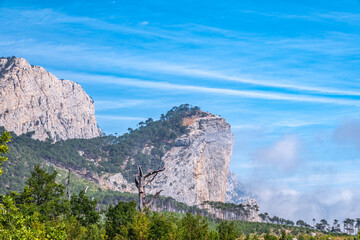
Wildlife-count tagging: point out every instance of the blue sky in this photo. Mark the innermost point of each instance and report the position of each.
(285, 75)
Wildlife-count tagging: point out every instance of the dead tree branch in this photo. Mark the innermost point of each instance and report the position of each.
(141, 183)
(68, 187)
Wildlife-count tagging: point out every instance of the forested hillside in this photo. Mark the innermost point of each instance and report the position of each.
(107, 154)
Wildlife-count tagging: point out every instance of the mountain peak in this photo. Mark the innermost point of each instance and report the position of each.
(33, 99)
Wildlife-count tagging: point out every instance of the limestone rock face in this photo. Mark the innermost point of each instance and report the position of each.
(246, 211)
(252, 208)
(32, 99)
(196, 168)
(235, 191)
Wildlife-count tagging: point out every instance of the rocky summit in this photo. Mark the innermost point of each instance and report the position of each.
(196, 168)
(32, 99)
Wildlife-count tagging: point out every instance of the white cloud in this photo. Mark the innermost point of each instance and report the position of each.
(283, 154)
(328, 203)
(335, 179)
(348, 132)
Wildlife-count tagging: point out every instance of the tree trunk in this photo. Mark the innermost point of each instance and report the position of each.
(141, 182)
(68, 187)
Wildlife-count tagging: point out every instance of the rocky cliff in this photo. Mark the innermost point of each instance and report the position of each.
(235, 191)
(197, 167)
(32, 99)
(245, 211)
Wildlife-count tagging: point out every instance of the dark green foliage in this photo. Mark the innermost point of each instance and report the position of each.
(160, 226)
(283, 235)
(214, 235)
(228, 230)
(42, 194)
(193, 227)
(262, 228)
(84, 209)
(43, 187)
(269, 236)
(4, 139)
(120, 218)
(223, 205)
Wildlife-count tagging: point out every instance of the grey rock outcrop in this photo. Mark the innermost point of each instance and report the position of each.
(32, 99)
(235, 191)
(246, 211)
(252, 208)
(196, 168)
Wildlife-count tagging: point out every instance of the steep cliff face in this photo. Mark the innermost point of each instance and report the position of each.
(32, 99)
(197, 167)
(235, 191)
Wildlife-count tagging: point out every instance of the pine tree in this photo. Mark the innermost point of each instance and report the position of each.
(228, 231)
(43, 194)
(84, 209)
(4, 139)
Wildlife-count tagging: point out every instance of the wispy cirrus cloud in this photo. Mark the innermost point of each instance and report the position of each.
(119, 118)
(347, 17)
(85, 54)
(183, 70)
(223, 91)
(328, 43)
(115, 104)
(49, 17)
(334, 44)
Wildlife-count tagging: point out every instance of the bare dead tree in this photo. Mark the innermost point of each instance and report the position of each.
(68, 187)
(141, 181)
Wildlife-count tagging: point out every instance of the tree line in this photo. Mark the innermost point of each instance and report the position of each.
(350, 226)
